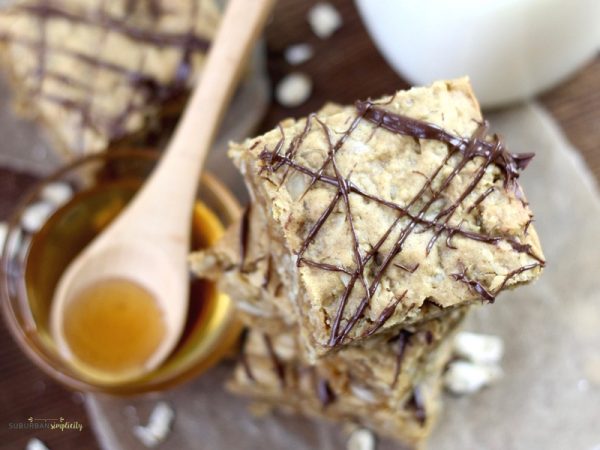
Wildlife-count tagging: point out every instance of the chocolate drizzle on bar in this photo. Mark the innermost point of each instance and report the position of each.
(146, 90)
(243, 357)
(48, 10)
(477, 287)
(278, 366)
(324, 392)
(244, 233)
(387, 312)
(399, 343)
(478, 148)
(417, 403)
(510, 163)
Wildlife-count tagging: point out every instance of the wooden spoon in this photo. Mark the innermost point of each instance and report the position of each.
(146, 247)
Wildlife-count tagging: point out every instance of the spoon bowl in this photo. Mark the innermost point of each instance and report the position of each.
(122, 262)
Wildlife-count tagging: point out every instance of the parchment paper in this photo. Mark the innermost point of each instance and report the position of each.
(550, 396)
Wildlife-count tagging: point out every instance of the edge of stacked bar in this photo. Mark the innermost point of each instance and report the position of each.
(393, 388)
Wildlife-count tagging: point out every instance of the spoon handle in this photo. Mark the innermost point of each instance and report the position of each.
(174, 181)
(148, 243)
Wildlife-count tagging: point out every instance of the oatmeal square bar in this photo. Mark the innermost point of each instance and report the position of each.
(95, 72)
(386, 210)
(243, 265)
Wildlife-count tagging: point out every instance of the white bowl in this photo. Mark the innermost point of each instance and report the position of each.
(511, 49)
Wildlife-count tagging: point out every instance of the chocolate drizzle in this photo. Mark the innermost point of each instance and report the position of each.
(146, 90)
(510, 163)
(399, 343)
(47, 10)
(386, 313)
(474, 285)
(417, 403)
(481, 198)
(484, 293)
(243, 358)
(324, 392)
(244, 233)
(478, 148)
(278, 366)
(268, 272)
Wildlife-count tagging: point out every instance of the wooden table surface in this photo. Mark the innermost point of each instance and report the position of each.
(345, 67)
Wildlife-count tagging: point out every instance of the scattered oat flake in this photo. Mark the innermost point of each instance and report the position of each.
(158, 427)
(145, 436)
(583, 385)
(324, 19)
(57, 193)
(35, 216)
(36, 444)
(298, 54)
(260, 410)
(361, 439)
(479, 348)
(293, 90)
(463, 377)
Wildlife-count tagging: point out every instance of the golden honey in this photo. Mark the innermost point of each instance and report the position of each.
(113, 327)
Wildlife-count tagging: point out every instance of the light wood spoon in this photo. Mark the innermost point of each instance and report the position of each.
(147, 245)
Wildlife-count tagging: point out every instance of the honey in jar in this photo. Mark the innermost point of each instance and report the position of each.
(115, 327)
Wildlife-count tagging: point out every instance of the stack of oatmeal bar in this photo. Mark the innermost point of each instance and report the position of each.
(371, 232)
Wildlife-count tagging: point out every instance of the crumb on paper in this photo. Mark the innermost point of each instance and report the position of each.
(463, 377)
(286, 410)
(298, 54)
(158, 427)
(583, 385)
(35, 216)
(36, 444)
(293, 90)
(324, 19)
(57, 193)
(479, 348)
(260, 410)
(361, 439)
